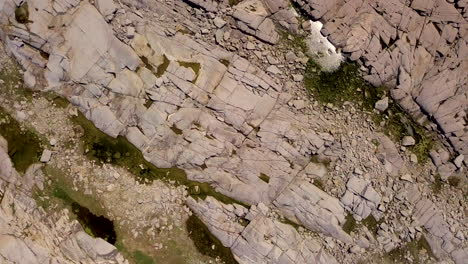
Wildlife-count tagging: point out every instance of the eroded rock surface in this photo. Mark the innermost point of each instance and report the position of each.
(417, 48)
(29, 235)
(224, 119)
(223, 124)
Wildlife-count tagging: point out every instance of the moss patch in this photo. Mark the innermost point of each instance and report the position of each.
(58, 100)
(415, 249)
(291, 40)
(350, 224)
(22, 13)
(234, 2)
(163, 67)
(454, 181)
(206, 243)
(24, 146)
(13, 82)
(346, 85)
(142, 258)
(148, 65)
(370, 222)
(264, 177)
(319, 184)
(160, 70)
(195, 66)
(121, 152)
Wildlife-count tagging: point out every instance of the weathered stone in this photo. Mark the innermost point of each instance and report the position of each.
(408, 141)
(382, 104)
(46, 156)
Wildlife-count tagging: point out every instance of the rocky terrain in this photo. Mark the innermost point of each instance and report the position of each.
(211, 95)
(417, 48)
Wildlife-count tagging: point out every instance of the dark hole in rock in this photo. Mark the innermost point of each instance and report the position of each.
(97, 226)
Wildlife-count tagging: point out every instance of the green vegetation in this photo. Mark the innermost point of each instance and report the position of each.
(454, 181)
(264, 177)
(148, 103)
(119, 151)
(346, 85)
(22, 13)
(415, 248)
(85, 209)
(319, 184)
(24, 146)
(234, 2)
(206, 243)
(58, 100)
(96, 226)
(350, 224)
(195, 66)
(142, 258)
(161, 69)
(13, 82)
(148, 65)
(291, 40)
(370, 222)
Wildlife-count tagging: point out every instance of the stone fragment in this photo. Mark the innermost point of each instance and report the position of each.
(382, 104)
(106, 7)
(219, 22)
(299, 104)
(298, 77)
(459, 160)
(130, 32)
(408, 141)
(406, 177)
(46, 156)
